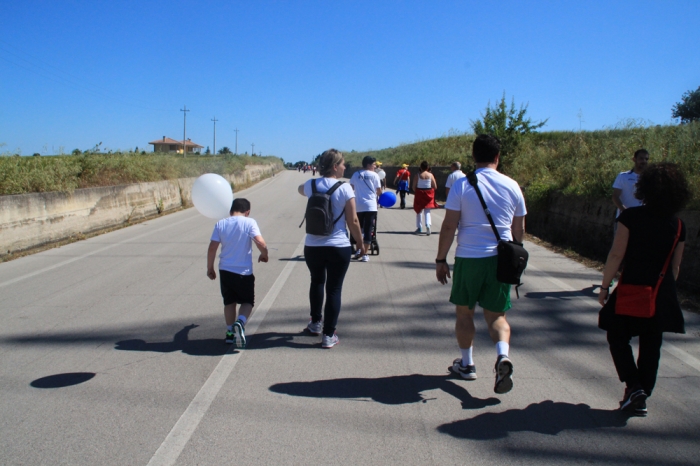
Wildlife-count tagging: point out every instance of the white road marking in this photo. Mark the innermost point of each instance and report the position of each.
(171, 448)
(670, 348)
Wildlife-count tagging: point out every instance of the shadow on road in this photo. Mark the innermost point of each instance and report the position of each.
(180, 342)
(396, 233)
(278, 340)
(587, 292)
(62, 380)
(547, 417)
(395, 390)
(294, 259)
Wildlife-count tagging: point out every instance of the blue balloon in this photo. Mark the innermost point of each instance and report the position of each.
(387, 199)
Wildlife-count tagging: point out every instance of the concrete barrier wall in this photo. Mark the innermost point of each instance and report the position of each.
(31, 220)
(586, 226)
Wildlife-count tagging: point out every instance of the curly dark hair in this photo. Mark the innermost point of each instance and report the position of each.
(663, 187)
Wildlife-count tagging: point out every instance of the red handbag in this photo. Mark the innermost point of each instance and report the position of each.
(640, 300)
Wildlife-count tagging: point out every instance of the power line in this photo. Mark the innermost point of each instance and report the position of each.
(184, 133)
(214, 120)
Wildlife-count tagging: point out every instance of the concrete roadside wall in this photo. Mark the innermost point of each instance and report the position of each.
(31, 220)
(586, 226)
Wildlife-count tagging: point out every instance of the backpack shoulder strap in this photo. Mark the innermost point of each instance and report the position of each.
(473, 180)
(334, 187)
(313, 186)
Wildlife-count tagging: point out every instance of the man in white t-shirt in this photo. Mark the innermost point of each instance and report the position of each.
(236, 235)
(367, 187)
(624, 186)
(476, 257)
(456, 174)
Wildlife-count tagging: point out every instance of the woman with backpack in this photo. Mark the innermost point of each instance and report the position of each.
(327, 250)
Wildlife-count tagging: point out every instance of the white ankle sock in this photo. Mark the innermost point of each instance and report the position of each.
(467, 359)
(502, 348)
(242, 319)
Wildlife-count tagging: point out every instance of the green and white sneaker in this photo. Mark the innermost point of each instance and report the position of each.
(230, 338)
(239, 332)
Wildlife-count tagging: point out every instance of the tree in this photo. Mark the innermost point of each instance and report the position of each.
(208, 151)
(225, 151)
(688, 109)
(76, 152)
(508, 124)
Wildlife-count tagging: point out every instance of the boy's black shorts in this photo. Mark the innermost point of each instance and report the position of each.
(236, 288)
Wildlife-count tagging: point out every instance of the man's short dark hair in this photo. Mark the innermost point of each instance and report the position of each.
(486, 148)
(641, 152)
(368, 160)
(240, 205)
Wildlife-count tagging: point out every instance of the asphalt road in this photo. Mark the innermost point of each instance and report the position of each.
(112, 353)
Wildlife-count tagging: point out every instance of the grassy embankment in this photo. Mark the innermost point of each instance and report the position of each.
(578, 163)
(66, 173)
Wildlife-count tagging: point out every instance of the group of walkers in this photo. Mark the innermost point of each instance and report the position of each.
(648, 237)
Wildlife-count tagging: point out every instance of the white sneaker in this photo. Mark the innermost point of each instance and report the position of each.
(428, 231)
(418, 231)
(365, 258)
(315, 328)
(329, 342)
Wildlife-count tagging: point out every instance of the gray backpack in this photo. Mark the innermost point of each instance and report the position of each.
(319, 212)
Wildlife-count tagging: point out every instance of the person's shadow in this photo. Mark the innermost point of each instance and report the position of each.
(547, 417)
(394, 390)
(564, 295)
(180, 342)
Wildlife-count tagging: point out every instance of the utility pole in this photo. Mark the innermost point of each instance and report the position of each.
(215, 120)
(236, 152)
(184, 133)
(253, 150)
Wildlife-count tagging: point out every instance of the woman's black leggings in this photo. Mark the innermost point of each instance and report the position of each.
(643, 372)
(328, 266)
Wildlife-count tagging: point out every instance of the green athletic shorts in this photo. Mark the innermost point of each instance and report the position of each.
(474, 281)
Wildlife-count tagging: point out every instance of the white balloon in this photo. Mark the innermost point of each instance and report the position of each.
(212, 196)
(382, 175)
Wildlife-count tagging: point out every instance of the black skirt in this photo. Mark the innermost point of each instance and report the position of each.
(668, 317)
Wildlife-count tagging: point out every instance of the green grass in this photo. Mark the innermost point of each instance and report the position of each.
(581, 163)
(20, 175)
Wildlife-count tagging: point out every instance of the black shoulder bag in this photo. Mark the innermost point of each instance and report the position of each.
(512, 256)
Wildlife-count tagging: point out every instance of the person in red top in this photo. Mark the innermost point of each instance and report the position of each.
(403, 176)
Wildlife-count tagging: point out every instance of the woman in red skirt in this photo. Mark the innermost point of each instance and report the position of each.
(424, 196)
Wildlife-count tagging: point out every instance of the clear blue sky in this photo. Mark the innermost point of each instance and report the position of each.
(299, 77)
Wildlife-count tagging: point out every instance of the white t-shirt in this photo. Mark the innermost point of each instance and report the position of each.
(339, 237)
(454, 176)
(365, 183)
(504, 200)
(626, 181)
(236, 235)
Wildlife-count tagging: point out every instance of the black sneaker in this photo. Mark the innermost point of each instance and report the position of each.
(504, 372)
(634, 398)
(239, 332)
(230, 338)
(468, 372)
(641, 410)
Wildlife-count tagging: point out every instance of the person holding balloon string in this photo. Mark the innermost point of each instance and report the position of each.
(236, 234)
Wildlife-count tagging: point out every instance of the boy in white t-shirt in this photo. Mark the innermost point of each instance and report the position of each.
(236, 235)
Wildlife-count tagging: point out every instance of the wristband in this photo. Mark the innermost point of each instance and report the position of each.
(441, 261)
(605, 289)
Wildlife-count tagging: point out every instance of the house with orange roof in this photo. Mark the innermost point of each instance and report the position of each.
(174, 146)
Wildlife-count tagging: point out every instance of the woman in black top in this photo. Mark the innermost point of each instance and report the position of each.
(644, 238)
